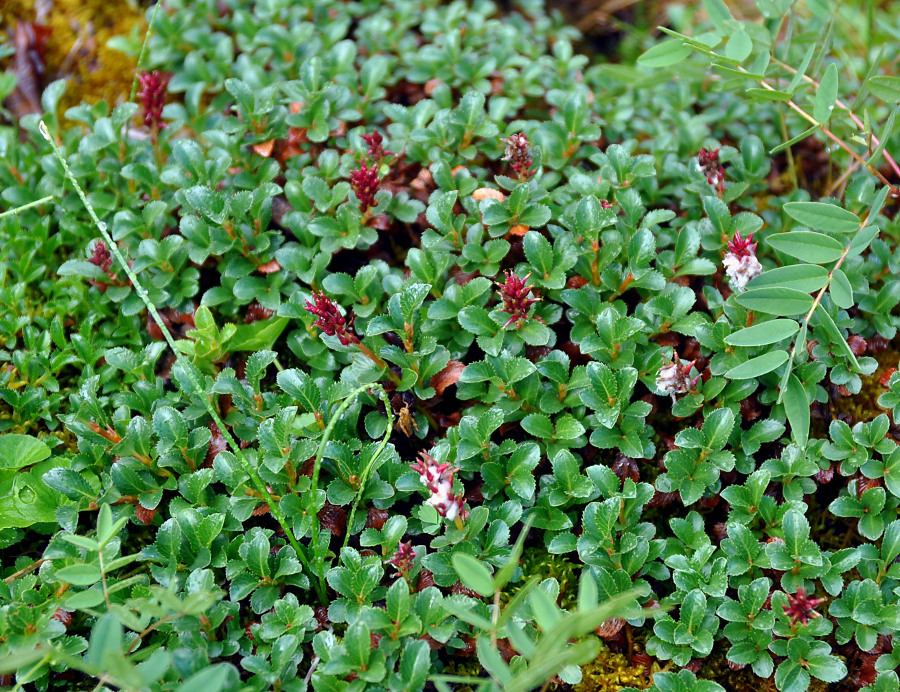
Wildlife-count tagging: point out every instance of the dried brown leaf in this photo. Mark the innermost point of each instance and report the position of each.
(264, 148)
(448, 376)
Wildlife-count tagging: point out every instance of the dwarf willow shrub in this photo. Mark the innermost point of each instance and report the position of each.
(471, 359)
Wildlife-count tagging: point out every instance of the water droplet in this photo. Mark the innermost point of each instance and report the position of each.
(26, 495)
(102, 226)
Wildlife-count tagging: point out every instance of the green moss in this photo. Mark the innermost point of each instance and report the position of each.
(715, 667)
(537, 562)
(864, 406)
(76, 49)
(465, 667)
(613, 671)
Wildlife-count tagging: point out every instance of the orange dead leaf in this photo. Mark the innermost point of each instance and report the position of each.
(269, 267)
(448, 376)
(488, 193)
(264, 148)
(518, 230)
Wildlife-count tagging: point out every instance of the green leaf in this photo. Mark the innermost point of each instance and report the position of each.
(415, 663)
(764, 333)
(805, 278)
(807, 246)
(257, 336)
(210, 679)
(538, 425)
(539, 253)
(827, 668)
(81, 574)
(886, 88)
(717, 428)
(823, 217)
(772, 300)
(739, 46)
(840, 289)
(106, 641)
(18, 660)
(790, 677)
(665, 54)
(768, 94)
(477, 321)
(796, 531)
(718, 12)
(693, 611)
(796, 406)
(25, 499)
(758, 366)
(301, 388)
(837, 339)
(82, 541)
(793, 140)
(473, 574)
(18, 451)
(826, 95)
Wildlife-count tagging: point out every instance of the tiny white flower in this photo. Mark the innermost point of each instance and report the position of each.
(741, 270)
(667, 379)
(741, 265)
(673, 379)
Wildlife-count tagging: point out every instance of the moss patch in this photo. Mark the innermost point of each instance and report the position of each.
(76, 49)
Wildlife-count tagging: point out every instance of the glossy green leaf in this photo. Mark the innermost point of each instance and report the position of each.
(18, 451)
(259, 335)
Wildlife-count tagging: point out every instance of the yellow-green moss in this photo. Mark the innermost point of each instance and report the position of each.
(537, 562)
(466, 667)
(864, 406)
(610, 672)
(76, 48)
(715, 668)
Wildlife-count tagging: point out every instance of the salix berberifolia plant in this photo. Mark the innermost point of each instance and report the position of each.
(296, 345)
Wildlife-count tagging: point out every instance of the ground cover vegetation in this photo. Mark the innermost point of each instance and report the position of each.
(402, 346)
